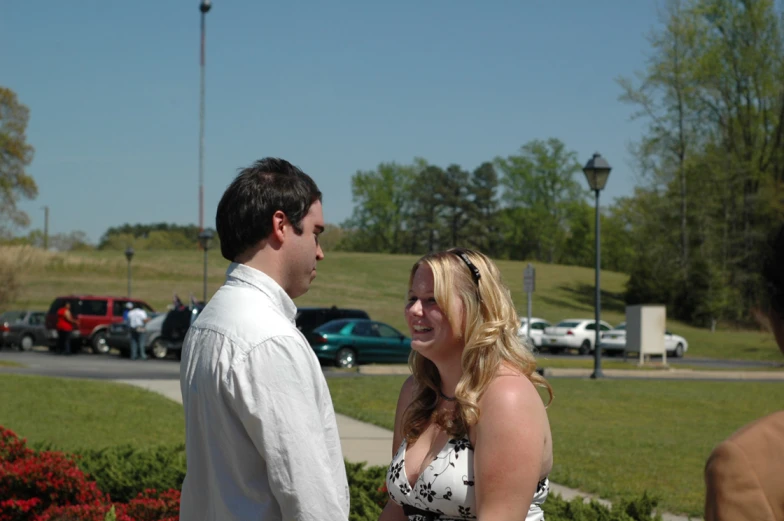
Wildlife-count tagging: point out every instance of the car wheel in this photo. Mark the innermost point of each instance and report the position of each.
(585, 347)
(159, 349)
(679, 351)
(346, 358)
(98, 343)
(27, 343)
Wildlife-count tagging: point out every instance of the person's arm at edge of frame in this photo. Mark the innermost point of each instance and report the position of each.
(392, 511)
(285, 424)
(510, 439)
(733, 490)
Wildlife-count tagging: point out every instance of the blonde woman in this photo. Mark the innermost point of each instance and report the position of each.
(471, 439)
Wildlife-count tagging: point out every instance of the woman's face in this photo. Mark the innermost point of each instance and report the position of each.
(431, 333)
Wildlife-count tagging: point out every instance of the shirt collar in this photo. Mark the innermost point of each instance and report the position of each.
(264, 283)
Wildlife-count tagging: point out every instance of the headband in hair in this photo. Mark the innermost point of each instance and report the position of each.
(474, 270)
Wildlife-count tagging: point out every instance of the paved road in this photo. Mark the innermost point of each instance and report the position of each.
(113, 367)
(109, 367)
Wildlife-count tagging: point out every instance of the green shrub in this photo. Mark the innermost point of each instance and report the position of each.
(124, 471)
(558, 509)
(368, 491)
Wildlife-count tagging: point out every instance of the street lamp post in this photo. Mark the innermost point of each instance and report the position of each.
(129, 255)
(204, 8)
(205, 239)
(596, 171)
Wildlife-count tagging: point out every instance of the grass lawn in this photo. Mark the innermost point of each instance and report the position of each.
(616, 438)
(9, 363)
(374, 282)
(71, 414)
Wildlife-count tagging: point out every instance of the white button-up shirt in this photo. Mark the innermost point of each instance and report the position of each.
(261, 437)
(137, 317)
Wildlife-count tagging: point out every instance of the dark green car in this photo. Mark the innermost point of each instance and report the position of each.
(349, 342)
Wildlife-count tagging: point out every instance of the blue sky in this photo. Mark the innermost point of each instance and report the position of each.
(334, 87)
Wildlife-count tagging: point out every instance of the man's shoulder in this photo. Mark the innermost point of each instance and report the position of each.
(245, 313)
(752, 434)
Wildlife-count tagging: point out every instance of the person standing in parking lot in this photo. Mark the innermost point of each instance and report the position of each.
(65, 326)
(260, 429)
(137, 317)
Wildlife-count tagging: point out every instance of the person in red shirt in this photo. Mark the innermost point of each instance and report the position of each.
(65, 325)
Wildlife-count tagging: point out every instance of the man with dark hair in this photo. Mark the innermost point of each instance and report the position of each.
(261, 436)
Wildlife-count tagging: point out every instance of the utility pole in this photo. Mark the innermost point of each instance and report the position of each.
(46, 228)
(204, 7)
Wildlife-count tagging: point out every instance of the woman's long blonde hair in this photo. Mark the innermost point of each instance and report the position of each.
(489, 328)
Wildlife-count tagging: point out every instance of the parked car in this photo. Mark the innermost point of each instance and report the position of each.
(119, 337)
(538, 326)
(309, 318)
(349, 342)
(614, 342)
(95, 314)
(573, 333)
(23, 329)
(173, 329)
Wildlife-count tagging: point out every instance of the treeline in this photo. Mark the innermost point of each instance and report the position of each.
(532, 205)
(156, 236)
(712, 161)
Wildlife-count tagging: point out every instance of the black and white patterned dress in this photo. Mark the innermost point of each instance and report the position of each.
(445, 489)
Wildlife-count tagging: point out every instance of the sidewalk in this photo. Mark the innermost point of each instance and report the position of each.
(361, 441)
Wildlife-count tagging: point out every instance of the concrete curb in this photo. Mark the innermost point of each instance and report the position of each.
(668, 373)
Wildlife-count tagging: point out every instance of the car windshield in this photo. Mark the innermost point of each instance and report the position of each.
(621, 327)
(12, 316)
(568, 324)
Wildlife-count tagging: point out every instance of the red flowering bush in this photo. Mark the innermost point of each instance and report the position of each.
(152, 505)
(48, 486)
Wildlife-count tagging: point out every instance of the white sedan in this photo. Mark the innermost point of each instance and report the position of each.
(538, 326)
(573, 333)
(614, 341)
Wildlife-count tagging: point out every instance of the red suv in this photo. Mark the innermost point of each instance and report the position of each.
(95, 315)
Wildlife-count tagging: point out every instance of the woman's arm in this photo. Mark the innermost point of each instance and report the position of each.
(392, 511)
(511, 440)
(70, 317)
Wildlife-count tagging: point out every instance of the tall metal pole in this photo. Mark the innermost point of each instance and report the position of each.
(204, 7)
(46, 228)
(129, 278)
(597, 352)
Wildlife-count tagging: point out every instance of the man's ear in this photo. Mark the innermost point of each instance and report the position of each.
(279, 223)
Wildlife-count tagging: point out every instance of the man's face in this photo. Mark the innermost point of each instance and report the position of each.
(304, 252)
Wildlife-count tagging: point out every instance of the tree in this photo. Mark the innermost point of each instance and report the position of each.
(427, 210)
(381, 207)
(666, 95)
(713, 156)
(541, 180)
(15, 155)
(484, 227)
(457, 206)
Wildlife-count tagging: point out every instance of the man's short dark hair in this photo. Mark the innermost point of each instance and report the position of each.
(245, 211)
